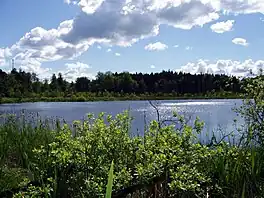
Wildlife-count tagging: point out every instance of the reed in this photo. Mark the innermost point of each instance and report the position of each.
(52, 159)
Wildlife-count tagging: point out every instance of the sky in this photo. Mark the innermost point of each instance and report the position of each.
(82, 37)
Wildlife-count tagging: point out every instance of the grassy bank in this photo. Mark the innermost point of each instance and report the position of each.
(53, 160)
(89, 98)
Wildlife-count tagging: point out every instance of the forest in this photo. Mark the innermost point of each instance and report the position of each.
(21, 85)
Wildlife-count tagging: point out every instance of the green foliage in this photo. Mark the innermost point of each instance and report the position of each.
(19, 86)
(35, 192)
(12, 178)
(252, 110)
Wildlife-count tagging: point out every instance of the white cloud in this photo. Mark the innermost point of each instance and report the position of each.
(188, 48)
(32, 65)
(5, 56)
(122, 23)
(117, 54)
(176, 46)
(87, 6)
(131, 20)
(152, 66)
(76, 70)
(158, 46)
(2, 57)
(240, 41)
(46, 46)
(77, 65)
(24, 61)
(229, 67)
(187, 15)
(40, 45)
(241, 6)
(99, 47)
(90, 6)
(222, 27)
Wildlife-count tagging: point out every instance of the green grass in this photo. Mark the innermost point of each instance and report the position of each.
(52, 160)
(88, 98)
(110, 181)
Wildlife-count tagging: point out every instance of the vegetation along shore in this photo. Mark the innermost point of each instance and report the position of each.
(39, 159)
(20, 86)
(89, 97)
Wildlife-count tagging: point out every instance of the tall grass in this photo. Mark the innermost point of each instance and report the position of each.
(106, 96)
(110, 181)
(54, 160)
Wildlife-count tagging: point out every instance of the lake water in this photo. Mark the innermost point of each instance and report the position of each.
(215, 113)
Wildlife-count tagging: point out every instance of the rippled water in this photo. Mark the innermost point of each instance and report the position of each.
(215, 113)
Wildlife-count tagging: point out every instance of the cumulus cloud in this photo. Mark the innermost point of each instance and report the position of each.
(240, 41)
(158, 46)
(46, 46)
(131, 20)
(76, 70)
(90, 6)
(117, 54)
(24, 61)
(152, 66)
(109, 50)
(5, 55)
(99, 47)
(2, 57)
(176, 46)
(241, 6)
(40, 45)
(187, 15)
(122, 23)
(87, 6)
(117, 29)
(229, 67)
(32, 65)
(222, 27)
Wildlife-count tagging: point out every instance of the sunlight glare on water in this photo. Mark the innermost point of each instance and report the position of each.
(184, 107)
(214, 113)
(194, 103)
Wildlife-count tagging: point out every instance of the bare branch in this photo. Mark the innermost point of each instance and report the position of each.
(157, 111)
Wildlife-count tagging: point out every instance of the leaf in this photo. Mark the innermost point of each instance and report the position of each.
(110, 181)
(243, 192)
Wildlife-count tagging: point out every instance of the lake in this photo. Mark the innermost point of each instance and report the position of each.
(215, 113)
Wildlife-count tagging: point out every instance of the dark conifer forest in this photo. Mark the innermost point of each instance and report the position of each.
(21, 84)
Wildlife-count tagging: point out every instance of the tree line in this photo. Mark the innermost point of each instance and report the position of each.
(19, 83)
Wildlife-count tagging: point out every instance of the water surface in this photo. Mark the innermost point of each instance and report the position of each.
(215, 113)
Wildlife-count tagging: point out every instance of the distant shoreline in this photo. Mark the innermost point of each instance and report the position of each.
(100, 99)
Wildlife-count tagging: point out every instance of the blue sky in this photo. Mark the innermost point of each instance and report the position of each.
(83, 37)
